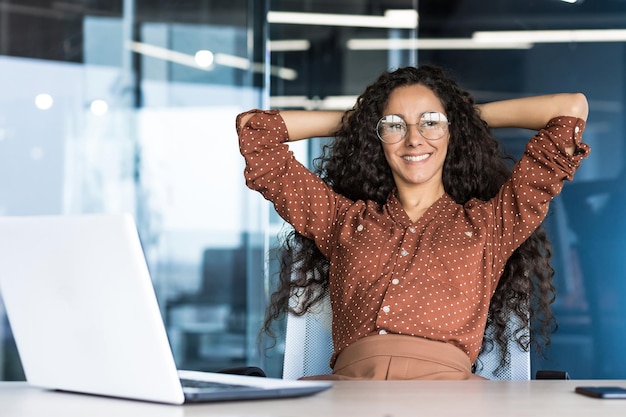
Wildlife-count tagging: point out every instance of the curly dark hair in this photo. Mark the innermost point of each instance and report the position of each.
(475, 167)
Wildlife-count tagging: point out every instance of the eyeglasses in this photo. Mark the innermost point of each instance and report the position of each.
(393, 128)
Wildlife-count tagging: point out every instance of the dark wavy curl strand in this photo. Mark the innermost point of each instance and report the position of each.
(475, 167)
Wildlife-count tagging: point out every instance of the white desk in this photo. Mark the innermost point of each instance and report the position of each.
(345, 399)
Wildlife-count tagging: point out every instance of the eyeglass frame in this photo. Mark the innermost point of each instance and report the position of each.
(418, 124)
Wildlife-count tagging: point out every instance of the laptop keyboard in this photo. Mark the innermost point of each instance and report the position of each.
(208, 385)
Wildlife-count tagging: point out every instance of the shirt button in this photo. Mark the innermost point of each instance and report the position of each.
(395, 281)
(386, 309)
(412, 229)
(382, 332)
(577, 129)
(404, 252)
(359, 228)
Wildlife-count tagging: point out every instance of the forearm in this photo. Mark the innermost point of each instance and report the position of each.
(533, 112)
(303, 124)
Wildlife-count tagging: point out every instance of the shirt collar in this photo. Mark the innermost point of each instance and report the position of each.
(398, 215)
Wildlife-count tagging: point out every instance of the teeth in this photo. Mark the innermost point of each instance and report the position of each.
(416, 158)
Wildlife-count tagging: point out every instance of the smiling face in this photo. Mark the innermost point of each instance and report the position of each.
(416, 162)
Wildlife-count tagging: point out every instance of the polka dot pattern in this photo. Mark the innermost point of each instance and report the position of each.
(431, 278)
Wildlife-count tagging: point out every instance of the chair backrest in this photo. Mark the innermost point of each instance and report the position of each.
(309, 345)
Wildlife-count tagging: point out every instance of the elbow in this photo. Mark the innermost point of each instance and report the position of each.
(577, 106)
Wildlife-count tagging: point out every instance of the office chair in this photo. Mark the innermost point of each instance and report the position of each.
(308, 347)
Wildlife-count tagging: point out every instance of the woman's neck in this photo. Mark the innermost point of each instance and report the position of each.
(416, 201)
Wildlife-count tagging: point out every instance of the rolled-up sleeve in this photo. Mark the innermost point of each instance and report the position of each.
(539, 176)
(299, 196)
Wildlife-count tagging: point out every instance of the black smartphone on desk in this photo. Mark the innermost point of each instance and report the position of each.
(602, 392)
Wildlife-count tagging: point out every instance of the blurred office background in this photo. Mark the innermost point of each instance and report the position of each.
(130, 105)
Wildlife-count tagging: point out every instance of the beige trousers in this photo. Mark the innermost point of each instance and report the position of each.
(393, 356)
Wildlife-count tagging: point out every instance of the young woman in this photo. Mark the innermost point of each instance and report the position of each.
(413, 222)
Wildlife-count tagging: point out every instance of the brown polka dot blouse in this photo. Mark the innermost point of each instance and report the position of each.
(431, 278)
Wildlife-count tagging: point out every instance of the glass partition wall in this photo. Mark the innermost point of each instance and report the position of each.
(498, 50)
(129, 106)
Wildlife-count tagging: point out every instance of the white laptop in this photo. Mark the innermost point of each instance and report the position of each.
(85, 317)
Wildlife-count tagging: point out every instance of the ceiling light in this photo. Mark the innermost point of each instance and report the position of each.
(437, 44)
(245, 64)
(327, 103)
(164, 54)
(219, 58)
(552, 36)
(44, 101)
(204, 58)
(289, 45)
(393, 19)
(99, 107)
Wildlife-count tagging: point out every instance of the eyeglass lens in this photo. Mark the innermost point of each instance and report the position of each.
(393, 128)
